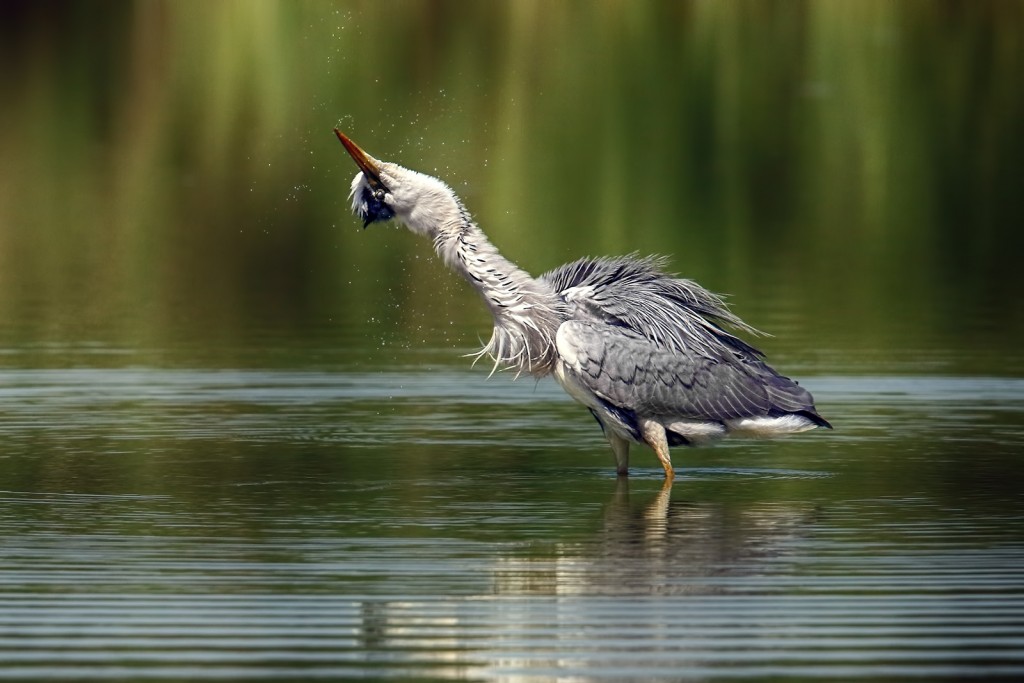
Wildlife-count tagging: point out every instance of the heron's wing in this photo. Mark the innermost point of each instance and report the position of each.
(627, 371)
(635, 293)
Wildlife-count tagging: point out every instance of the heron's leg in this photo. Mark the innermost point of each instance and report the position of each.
(654, 435)
(620, 447)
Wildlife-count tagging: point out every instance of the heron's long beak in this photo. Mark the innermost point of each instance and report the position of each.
(366, 163)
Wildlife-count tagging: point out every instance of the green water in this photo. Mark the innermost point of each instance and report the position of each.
(239, 438)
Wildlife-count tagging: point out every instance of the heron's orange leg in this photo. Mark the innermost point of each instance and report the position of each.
(654, 435)
(666, 461)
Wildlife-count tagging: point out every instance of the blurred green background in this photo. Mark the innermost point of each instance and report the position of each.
(849, 171)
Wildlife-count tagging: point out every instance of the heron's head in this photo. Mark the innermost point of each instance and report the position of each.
(382, 191)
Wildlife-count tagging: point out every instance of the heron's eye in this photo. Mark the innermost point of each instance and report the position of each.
(373, 208)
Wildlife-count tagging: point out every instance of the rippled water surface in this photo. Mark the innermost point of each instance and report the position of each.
(237, 440)
(427, 522)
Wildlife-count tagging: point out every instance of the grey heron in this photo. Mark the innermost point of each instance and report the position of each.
(646, 352)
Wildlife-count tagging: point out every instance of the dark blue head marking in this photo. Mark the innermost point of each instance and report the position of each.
(373, 208)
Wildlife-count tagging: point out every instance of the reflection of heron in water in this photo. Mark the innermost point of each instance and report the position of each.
(685, 538)
(646, 543)
(644, 351)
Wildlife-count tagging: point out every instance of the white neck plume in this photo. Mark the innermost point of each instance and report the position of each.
(526, 312)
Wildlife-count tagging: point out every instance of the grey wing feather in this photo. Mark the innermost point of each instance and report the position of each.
(626, 370)
(636, 293)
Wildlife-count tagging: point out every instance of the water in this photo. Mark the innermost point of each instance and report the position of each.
(430, 523)
(236, 436)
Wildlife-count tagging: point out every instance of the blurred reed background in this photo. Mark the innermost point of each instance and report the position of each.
(849, 171)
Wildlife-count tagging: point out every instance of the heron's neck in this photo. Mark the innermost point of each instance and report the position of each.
(526, 311)
(467, 251)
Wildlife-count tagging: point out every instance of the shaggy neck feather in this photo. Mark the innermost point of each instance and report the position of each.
(526, 312)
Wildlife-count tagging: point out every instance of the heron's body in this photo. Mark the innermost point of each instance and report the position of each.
(644, 351)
